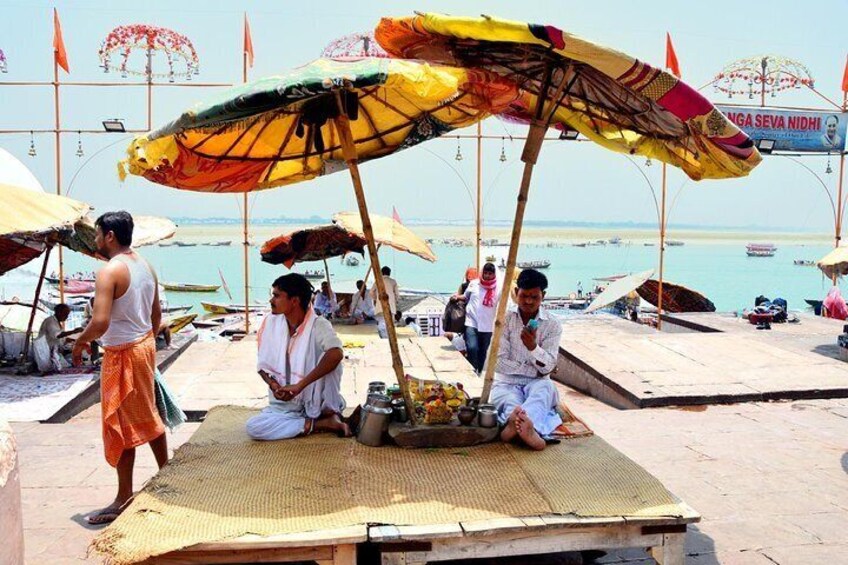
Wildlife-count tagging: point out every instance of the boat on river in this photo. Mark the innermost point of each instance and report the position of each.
(760, 249)
(186, 287)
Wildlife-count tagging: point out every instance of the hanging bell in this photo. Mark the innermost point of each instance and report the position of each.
(31, 151)
(828, 170)
(80, 152)
(458, 156)
(648, 162)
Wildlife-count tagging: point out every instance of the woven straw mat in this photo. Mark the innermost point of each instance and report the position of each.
(221, 485)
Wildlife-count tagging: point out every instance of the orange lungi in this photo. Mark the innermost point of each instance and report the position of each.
(128, 398)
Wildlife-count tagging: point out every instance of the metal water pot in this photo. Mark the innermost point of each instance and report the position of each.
(487, 416)
(379, 400)
(374, 423)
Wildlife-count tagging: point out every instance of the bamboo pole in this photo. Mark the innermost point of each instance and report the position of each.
(35, 302)
(245, 229)
(149, 88)
(58, 166)
(662, 248)
(478, 219)
(532, 146)
(350, 156)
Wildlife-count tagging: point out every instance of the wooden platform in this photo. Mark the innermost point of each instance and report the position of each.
(418, 545)
(703, 359)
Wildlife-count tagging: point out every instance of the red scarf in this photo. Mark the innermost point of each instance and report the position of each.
(489, 286)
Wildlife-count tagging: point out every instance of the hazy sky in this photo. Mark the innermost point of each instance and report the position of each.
(577, 181)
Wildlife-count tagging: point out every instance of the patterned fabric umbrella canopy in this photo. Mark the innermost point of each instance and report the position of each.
(834, 263)
(31, 220)
(311, 244)
(344, 235)
(613, 99)
(676, 298)
(280, 130)
(147, 230)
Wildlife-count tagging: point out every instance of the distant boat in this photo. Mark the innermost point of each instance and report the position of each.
(351, 261)
(673, 243)
(177, 323)
(185, 287)
(760, 250)
(491, 259)
(584, 244)
(77, 287)
(648, 244)
(614, 240)
(217, 243)
(314, 274)
(216, 308)
(804, 263)
(540, 264)
(184, 244)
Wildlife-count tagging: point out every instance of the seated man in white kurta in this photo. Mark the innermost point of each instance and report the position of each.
(523, 393)
(300, 358)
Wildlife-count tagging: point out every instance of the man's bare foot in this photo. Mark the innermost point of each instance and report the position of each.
(510, 431)
(332, 423)
(528, 434)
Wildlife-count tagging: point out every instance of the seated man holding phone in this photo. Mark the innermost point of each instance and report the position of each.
(300, 359)
(523, 393)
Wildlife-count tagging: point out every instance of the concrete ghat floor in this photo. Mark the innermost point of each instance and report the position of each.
(770, 479)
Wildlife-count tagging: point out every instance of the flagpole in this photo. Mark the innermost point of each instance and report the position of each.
(246, 241)
(58, 164)
(662, 249)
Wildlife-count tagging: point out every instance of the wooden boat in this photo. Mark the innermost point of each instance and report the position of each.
(314, 275)
(77, 287)
(217, 308)
(175, 309)
(185, 287)
(676, 298)
(760, 250)
(176, 323)
(184, 244)
(805, 263)
(541, 264)
(673, 243)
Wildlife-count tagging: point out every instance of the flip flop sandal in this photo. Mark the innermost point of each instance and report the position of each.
(104, 516)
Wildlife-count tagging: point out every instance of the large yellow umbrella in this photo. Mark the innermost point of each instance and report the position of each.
(614, 99)
(387, 231)
(147, 230)
(320, 118)
(835, 263)
(31, 221)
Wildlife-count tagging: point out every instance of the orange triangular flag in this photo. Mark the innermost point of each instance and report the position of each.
(248, 42)
(61, 56)
(671, 57)
(845, 77)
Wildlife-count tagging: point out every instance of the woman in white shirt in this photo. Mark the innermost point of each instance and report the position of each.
(481, 298)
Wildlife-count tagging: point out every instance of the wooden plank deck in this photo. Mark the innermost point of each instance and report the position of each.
(736, 363)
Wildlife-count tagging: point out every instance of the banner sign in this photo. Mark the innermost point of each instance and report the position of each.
(791, 130)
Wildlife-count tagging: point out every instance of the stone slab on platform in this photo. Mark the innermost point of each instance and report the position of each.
(628, 369)
(440, 436)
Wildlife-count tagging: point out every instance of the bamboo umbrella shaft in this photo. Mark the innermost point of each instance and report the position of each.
(350, 156)
(35, 302)
(531, 151)
(532, 146)
(370, 268)
(662, 249)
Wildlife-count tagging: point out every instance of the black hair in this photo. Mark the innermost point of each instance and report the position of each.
(531, 278)
(295, 285)
(408, 320)
(360, 283)
(489, 267)
(386, 271)
(119, 223)
(59, 307)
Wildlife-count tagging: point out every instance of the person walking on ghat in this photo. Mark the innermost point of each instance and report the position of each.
(126, 311)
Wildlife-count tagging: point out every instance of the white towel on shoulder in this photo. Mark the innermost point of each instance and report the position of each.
(274, 336)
